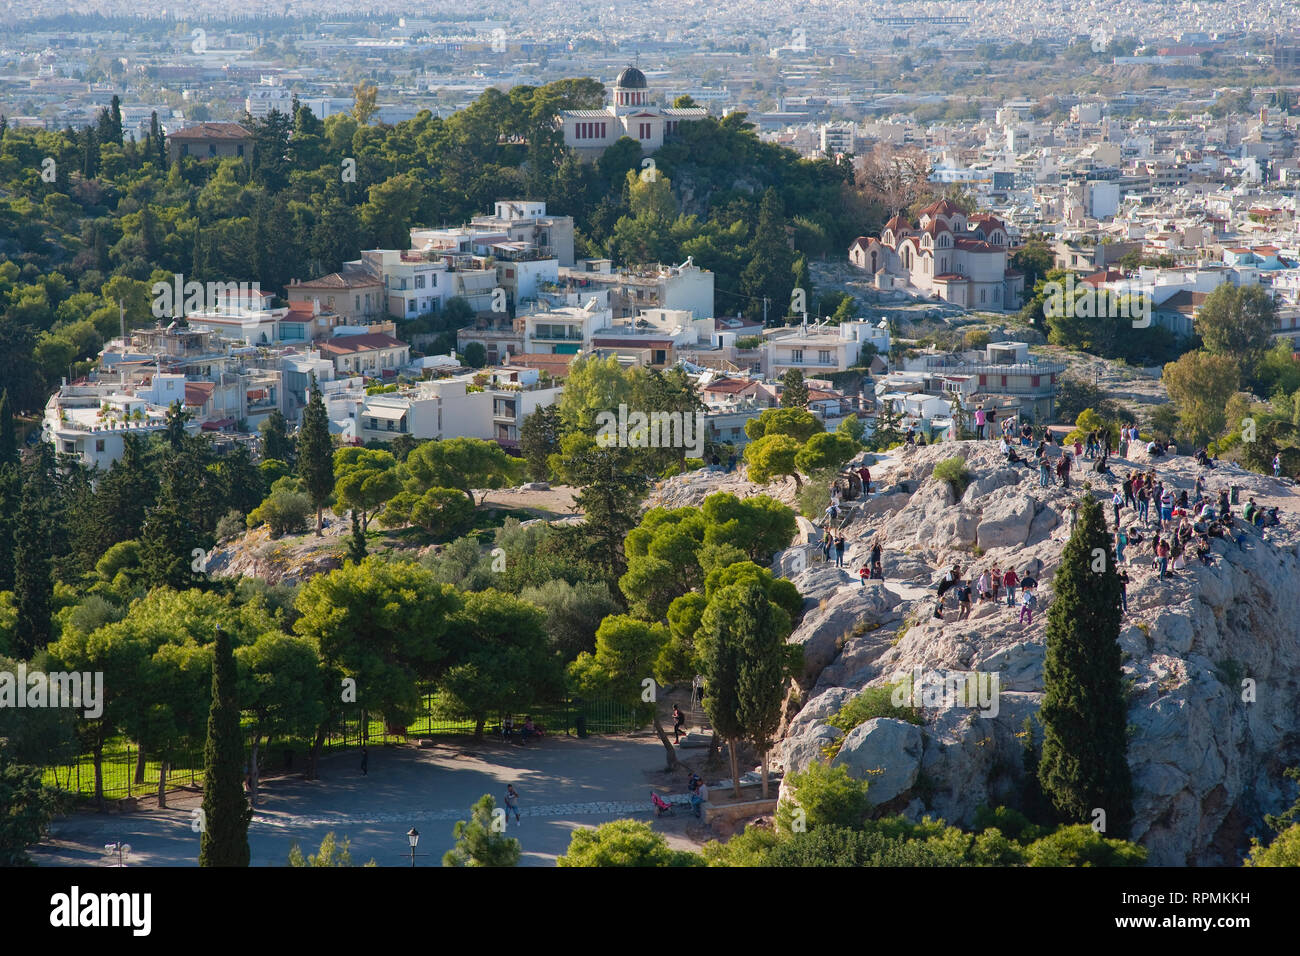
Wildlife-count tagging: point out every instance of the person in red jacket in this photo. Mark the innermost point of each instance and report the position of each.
(1009, 581)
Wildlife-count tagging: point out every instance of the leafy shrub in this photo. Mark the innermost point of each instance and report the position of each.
(285, 509)
(876, 702)
(1081, 845)
(953, 471)
(231, 525)
(623, 843)
(828, 796)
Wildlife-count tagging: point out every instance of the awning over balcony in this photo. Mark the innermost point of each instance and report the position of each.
(386, 412)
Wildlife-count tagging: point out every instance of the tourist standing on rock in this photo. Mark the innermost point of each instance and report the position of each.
(1143, 503)
(1121, 542)
(1163, 552)
(1063, 470)
(1009, 581)
(945, 584)
(963, 601)
(839, 551)
(995, 578)
(984, 587)
(979, 422)
(1116, 502)
(1044, 472)
(875, 561)
(1123, 589)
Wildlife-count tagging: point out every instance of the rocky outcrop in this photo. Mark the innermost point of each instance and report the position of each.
(1212, 654)
(886, 753)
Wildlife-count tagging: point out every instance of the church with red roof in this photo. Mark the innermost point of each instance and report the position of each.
(945, 254)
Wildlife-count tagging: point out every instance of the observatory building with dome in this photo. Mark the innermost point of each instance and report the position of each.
(631, 114)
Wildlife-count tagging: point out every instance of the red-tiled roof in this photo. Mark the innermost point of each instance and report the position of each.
(198, 393)
(730, 386)
(205, 131)
(556, 365)
(371, 341)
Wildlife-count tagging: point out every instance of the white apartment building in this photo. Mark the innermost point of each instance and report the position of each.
(820, 348)
(680, 287)
(93, 421)
(446, 408)
(563, 331)
(261, 100)
(512, 220)
(414, 283)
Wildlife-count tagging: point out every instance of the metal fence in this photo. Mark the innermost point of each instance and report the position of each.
(122, 779)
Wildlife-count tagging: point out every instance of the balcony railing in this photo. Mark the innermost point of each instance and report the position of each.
(567, 337)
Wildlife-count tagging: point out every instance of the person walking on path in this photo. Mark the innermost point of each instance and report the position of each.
(963, 600)
(839, 551)
(679, 720)
(512, 802)
(365, 762)
(1027, 602)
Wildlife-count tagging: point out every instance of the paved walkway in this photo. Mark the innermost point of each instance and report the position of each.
(563, 783)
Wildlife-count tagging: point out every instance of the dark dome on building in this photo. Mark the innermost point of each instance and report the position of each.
(631, 79)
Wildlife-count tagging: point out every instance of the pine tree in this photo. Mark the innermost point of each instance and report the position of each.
(357, 543)
(226, 813)
(33, 559)
(316, 453)
(1084, 764)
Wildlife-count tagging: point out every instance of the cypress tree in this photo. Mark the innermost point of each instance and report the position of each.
(33, 560)
(316, 453)
(10, 492)
(357, 544)
(226, 813)
(275, 438)
(1084, 764)
(8, 441)
(174, 527)
(125, 494)
(794, 391)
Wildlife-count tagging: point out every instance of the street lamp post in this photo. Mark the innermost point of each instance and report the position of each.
(413, 837)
